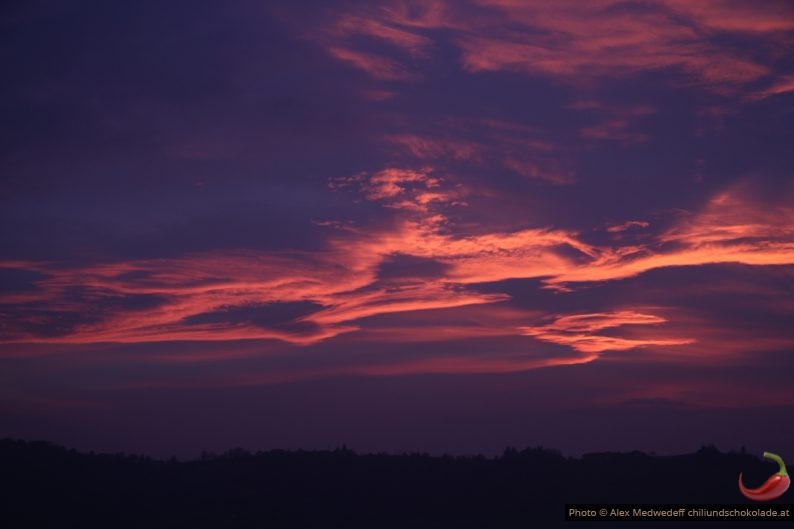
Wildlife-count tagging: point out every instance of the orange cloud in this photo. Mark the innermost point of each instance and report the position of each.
(405, 298)
(731, 228)
(580, 332)
(406, 189)
(732, 219)
(391, 182)
(229, 296)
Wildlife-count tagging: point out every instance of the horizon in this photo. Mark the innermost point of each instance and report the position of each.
(441, 227)
(507, 452)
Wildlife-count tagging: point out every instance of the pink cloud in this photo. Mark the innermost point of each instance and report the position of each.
(737, 16)
(629, 224)
(421, 14)
(784, 85)
(580, 331)
(391, 182)
(198, 293)
(403, 189)
(377, 66)
(351, 25)
(428, 148)
(613, 122)
(568, 40)
(488, 143)
(616, 130)
(733, 218)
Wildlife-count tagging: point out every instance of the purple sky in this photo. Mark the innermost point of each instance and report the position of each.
(441, 226)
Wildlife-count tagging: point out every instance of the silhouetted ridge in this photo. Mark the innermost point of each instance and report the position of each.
(45, 485)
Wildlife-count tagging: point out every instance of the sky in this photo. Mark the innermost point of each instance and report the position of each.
(437, 226)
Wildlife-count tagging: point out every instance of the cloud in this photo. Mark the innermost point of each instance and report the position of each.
(733, 227)
(629, 224)
(614, 130)
(571, 40)
(342, 40)
(733, 218)
(416, 264)
(398, 266)
(351, 26)
(391, 182)
(429, 148)
(406, 189)
(784, 85)
(497, 177)
(568, 40)
(580, 331)
(376, 65)
(737, 16)
(485, 144)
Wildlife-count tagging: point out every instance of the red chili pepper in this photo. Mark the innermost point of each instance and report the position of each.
(776, 485)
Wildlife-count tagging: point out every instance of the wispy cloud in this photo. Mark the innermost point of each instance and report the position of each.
(488, 143)
(305, 298)
(377, 66)
(784, 85)
(629, 224)
(569, 40)
(409, 189)
(581, 331)
(572, 41)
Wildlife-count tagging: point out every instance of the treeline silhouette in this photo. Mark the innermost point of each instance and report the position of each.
(44, 485)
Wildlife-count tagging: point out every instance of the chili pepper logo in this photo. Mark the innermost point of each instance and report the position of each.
(776, 485)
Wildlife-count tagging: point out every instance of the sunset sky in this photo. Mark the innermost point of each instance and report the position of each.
(437, 226)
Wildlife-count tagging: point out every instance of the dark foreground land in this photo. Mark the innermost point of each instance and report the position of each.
(44, 485)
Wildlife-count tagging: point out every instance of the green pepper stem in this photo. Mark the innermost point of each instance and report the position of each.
(782, 470)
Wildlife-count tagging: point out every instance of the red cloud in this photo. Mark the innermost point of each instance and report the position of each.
(580, 331)
(342, 281)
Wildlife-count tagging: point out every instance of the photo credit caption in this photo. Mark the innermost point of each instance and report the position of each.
(660, 512)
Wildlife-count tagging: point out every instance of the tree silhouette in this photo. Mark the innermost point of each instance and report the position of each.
(48, 486)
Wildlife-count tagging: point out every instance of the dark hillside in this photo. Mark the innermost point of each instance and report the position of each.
(49, 486)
